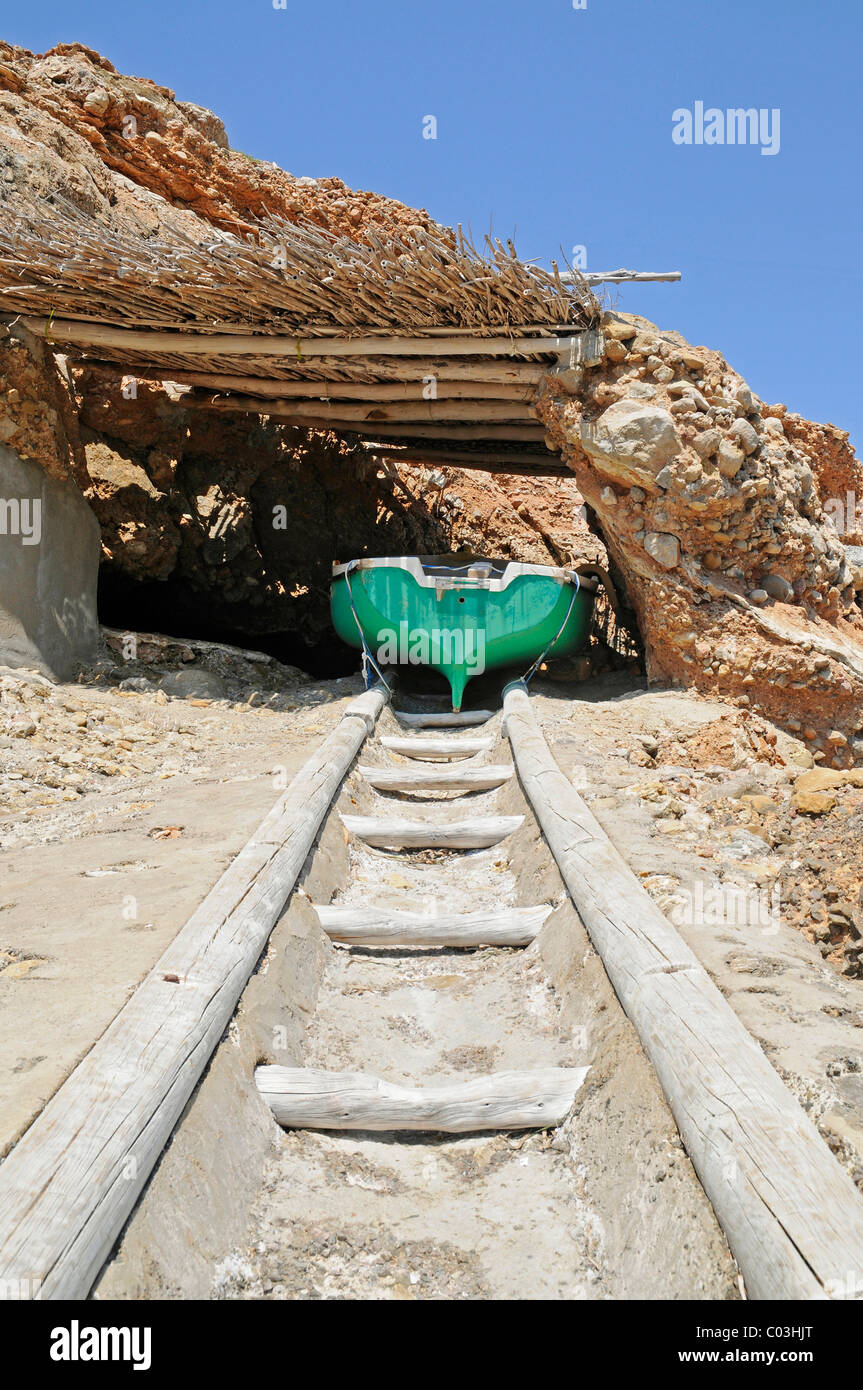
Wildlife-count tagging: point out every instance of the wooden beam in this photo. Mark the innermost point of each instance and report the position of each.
(452, 779)
(304, 1098)
(309, 390)
(346, 414)
(384, 832)
(617, 277)
(296, 348)
(370, 926)
(436, 749)
(445, 720)
(395, 369)
(71, 1182)
(514, 434)
(792, 1215)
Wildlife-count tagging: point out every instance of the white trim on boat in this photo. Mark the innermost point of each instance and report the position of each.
(430, 571)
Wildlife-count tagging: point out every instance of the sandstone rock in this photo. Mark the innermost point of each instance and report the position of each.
(663, 547)
(827, 779)
(731, 459)
(206, 122)
(570, 379)
(707, 443)
(618, 328)
(744, 397)
(820, 779)
(813, 803)
(631, 441)
(97, 101)
(745, 435)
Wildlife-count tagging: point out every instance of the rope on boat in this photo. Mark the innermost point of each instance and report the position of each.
(528, 676)
(368, 659)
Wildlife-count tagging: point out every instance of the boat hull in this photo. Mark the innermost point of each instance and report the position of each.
(457, 621)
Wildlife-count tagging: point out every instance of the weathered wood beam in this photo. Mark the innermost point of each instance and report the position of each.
(371, 926)
(451, 719)
(244, 344)
(304, 1098)
(406, 779)
(478, 832)
(69, 1185)
(318, 413)
(310, 390)
(616, 277)
(514, 434)
(792, 1215)
(395, 369)
(436, 749)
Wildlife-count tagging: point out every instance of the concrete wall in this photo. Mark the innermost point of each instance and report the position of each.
(49, 562)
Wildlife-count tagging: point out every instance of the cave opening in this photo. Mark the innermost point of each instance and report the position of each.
(171, 608)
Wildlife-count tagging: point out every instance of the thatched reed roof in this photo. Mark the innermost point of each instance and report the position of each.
(287, 278)
(234, 317)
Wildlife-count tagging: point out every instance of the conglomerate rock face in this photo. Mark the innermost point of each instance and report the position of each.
(728, 519)
(73, 125)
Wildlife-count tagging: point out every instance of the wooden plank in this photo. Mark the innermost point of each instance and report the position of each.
(58, 331)
(305, 1098)
(391, 832)
(523, 433)
(792, 1216)
(309, 390)
(319, 370)
(445, 720)
(71, 1182)
(437, 749)
(322, 414)
(470, 779)
(371, 926)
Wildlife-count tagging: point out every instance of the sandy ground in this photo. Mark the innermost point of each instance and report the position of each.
(119, 809)
(121, 800)
(606, 1205)
(711, 827)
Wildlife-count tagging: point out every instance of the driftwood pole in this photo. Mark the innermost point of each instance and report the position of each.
(792, 1215)
(69, 1185)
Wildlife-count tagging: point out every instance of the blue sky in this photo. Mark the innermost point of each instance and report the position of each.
(555, 125)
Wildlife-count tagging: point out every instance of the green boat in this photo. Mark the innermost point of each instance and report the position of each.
(459, 618)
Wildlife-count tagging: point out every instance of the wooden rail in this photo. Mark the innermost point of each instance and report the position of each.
(792, 1216)
(69, 1185)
